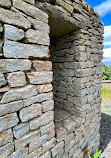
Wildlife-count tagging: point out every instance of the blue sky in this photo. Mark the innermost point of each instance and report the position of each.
(103, 7)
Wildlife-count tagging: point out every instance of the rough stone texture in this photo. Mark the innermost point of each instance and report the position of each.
(30, 10)
(5, 3)
(48, 105)
(20, 130)
(10, 65)
(30, 112)
(20, 93)
(30, 1)
(39, 65)
(44, 88)
(10, 17)
(10, 107)
(18, 50)
(16, 79)
(13, 33)
(1, 27)
(8, 121)
(37, 37)
(2, 80)
(6, 150)
(40, 77)
(19, 154)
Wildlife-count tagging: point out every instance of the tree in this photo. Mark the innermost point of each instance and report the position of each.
(106, 72)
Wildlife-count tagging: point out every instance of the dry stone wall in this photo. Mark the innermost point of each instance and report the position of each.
(32, 122)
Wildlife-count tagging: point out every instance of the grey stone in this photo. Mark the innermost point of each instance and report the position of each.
(30, 10)
(57, 148)
(6, 137)
(10, 17)
(47, 128)
(30, 1)
(25, 140)
(10, 65)
(20, 130)
(10, 107)
(19, 154)
(37, 37)
(38, 99)
(4, 89)
(2, 80)
(40, 65)
(42, 120)
(16, 79)
(5, 3)
(35, 153)
(48, 105)
(40, 77)
(6, 150)
(13, 49)
(46, 155)
(38, 143)
(1, 28)
(13, 33)
(30, 112)
(8, 121)
(44, 88)
(19, 93)
(48, 145)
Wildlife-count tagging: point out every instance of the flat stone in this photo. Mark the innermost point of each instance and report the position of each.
(16, 79)
(30, 112)
(8, 121)
(1, 28)
(39, 25)
(42, 120)
(19, 154)
(48, 145)
(47, 128)
(10, 107)
(40, 65)
(10, 17)
(40, 77)
(25, 140)
(37, 37)
(38, 143)
(83, 72)
(38, 99)
(57, 148)
(61, 134)
(46, 155)
(10, 65)
(5, 3)
(30, 10)
(6, 137)
(4, 89)
(13, 49)
(44, 88)
(6, 150)
(19, 93)
(36, 153)
(13, 33)
(30, 1)
(48, 105)
(2, 80)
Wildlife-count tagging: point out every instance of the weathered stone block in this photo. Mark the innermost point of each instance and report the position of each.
(1, 27)
(35, 153)
(48, 145)
(37, 37)
(13, 33)
(30, 1)
(44, 88)
(25, 140)
(30, 112)
(10, 65)
(6, 137)
(48, 105)
(5, 3)
(40, 65)
(4, 89)
(2, 80)
(42, 120)
(39, 98)
(61, 133)
(30, 10)
(19, 154)
(13, 49)
(10, 17)
(16, 79)
(83, 72)
(57, 148)
(6, 150)
(19, 93)
(46, 155)
(20, 130)
(10, 107)
(47, 128)
(40, 77)
(8, 121)
(38, 143)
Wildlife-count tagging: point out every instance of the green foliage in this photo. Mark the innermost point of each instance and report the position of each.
(106, 93)
(106, 75)
(96, 155)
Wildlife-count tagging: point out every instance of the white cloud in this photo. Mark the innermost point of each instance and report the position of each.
(103, 8)
(107, 55)
(107, 35)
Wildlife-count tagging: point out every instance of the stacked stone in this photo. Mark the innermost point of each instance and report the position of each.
(27, 129)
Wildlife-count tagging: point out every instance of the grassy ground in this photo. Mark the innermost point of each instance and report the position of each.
(106, 94)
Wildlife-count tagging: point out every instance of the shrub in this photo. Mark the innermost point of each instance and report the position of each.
(96, 155)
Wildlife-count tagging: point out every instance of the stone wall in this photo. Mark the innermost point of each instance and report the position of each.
(33, 124)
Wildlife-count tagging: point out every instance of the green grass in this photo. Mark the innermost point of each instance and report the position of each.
(107, 108)
(106, 94)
